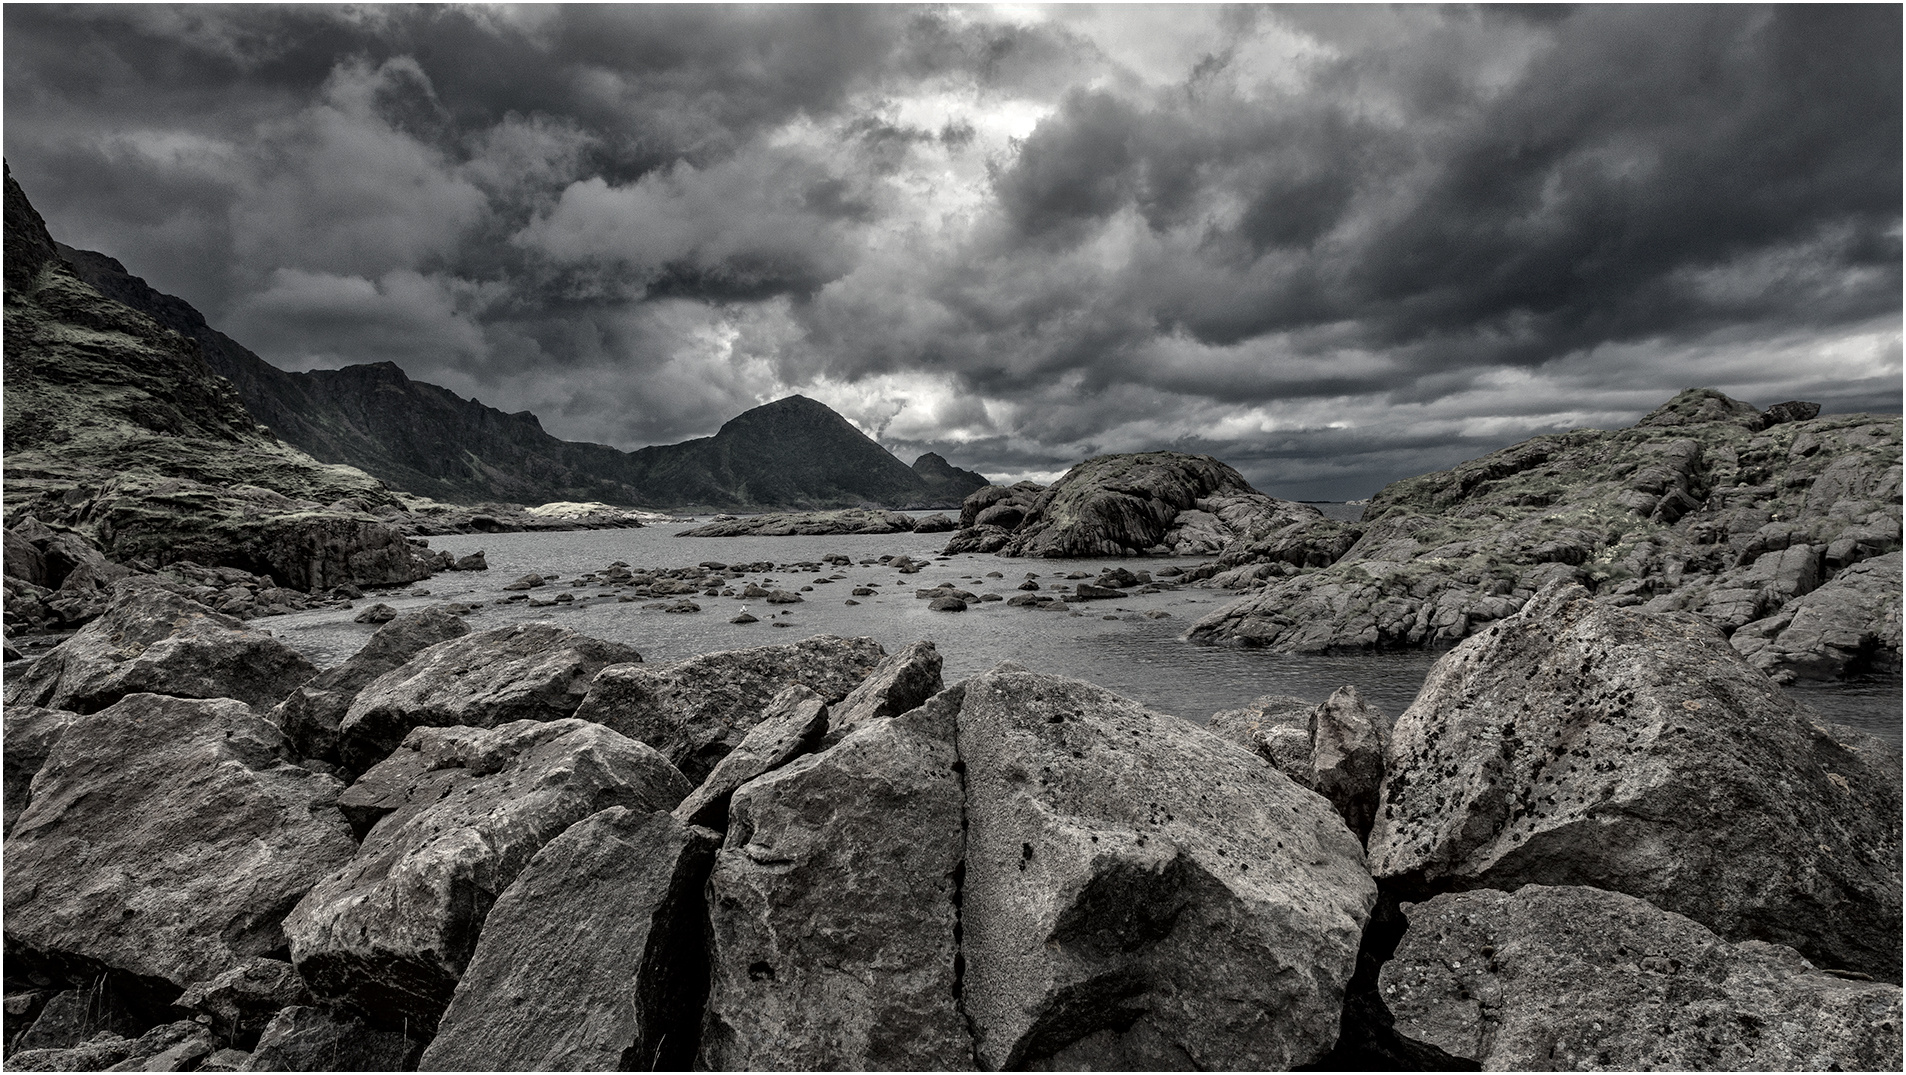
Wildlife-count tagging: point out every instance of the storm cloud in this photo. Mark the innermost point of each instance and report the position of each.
(1333, 246)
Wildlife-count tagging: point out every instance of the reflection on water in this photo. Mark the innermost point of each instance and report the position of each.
(1111, 643)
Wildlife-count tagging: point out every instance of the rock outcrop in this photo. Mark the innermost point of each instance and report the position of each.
(1848, 626)
(312, 714)
(153, 641)
(1707, 505)
(529, 671)
(1579, 744)
(847, 521)
(1105, 845)
(167, 839)
(1585, 979)
(696, 711)
(591, 960)
(455, 815)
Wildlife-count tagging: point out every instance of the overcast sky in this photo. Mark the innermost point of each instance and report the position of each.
(1332, 246)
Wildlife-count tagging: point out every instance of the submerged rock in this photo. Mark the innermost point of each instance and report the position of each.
(1585, 745)
(1107, 846)
(1581, 978)
(454, 815)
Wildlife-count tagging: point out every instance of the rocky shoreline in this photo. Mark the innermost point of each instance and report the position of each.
(1598, 834)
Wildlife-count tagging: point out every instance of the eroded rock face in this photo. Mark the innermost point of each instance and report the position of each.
(156, 642)
(832, 908)
(793, 722)
(168, 838)
(529, 671)
(311, 714)
(1637, 752)
(1588, 979)
(591, 960)
(1850, 625)
(456, 814)
(31, 733)
(1106, 845)
(696, 711)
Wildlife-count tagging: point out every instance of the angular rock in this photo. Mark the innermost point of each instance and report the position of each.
(1106, 846)
(472, 562)
(458, 813)
(156, 642)
(171, 1047)
(1275, 727)
(378, 613)
(697, 710)
(792, 723)
(1580, 978)
(592, 959)
(30, 735)
(168, 838)
(1350, 741)
(1849, 626)
(242, 1001)
(73, 1016)
(1580, 744)
(833, 909)
(308, 1038)
(529, 671)
(311, 714)
(947, 604)
(900, 682)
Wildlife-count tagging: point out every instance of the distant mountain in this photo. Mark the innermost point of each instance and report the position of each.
(794, 453)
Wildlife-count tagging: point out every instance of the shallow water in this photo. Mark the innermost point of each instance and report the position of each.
(1111, 643)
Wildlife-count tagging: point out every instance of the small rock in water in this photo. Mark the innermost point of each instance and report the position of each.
(527, 582)
(862, 591)
(851, 601)
(744, 618)
(683, 606)
(947, 604)
(378, 613)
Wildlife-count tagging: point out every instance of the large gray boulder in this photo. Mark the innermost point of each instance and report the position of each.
(834, 909)
(1107, 846)
(1585, 745)
(792, 724)
(528, 671)
(900, 682)
(696, 711)
(1848, 626)
(458, 812)
(168, 838)
(31, 733)
(153, 641)
(1581, 978)
(590, 960)
(312, 714)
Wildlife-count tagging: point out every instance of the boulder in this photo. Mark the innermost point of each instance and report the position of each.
(156, 642)
(308, 1038)
(31, 733)
(378, 613)
(1350, 740)
(167, 838)
(311, 714)
(528, 671)
(1580, 744)
(455, 815)
(239, 1003)
(947, 604)
(934, 524)
(1849, 626)
(1106, 846)
(834, 910)
(900, 682)
(1582, 978)
(1275, 727)
(592, 959)
(792, 723)
(472, 562)
(697, 710)
(73, 1016)
(171, 1047)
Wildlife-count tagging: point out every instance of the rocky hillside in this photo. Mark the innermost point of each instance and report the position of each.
(424, 439)
(1598, 838)
(1779, 527)
(117, 430)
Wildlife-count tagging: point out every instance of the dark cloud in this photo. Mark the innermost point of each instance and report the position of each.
(1333, 245)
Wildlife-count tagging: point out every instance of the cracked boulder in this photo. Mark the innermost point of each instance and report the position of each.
(793, 722)
(696, 711)
(1586, 745)
(452, 817)
(31, 733)
(592, 959)
(168, 838)
(312, 714)
(155, 642)
(1580, 978)
(833, 908)
(1107, 845)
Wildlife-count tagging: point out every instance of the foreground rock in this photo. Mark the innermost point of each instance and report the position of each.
(177, 1046)
(900, 682)
(529, 671)
(1707, 505)
(792, 723)
(311, 715)
(153, 641)
(167, 839)
(454, 815)
(833, 909)
(307, 1038)
(697, 710)
(848, 521)
(591, 960)
(1106, 846)
(1580, 978)
(1336, 748)
(1637, 752)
